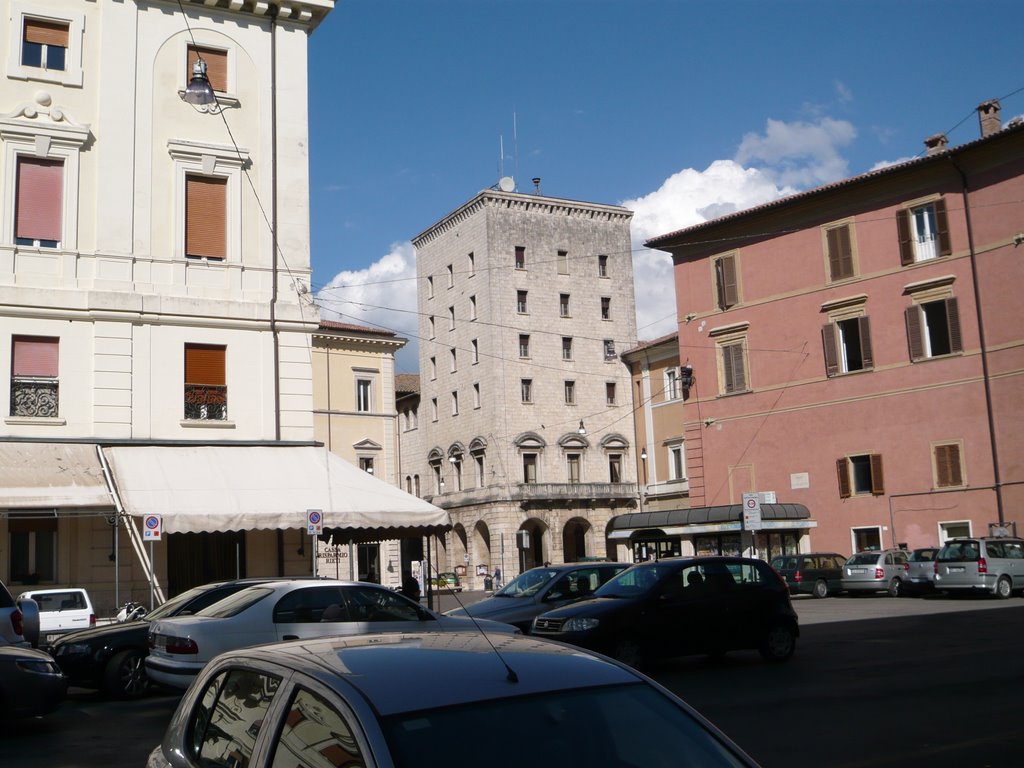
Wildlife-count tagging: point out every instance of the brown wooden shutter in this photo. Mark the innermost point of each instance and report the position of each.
(956, 342)
(216, 66)
(914, 330)
(947, 466)
(865, 342)
(204, 364)
(206, 217)
(840, 252)
(828, 341)
(39, 203)
(35, 356)
(942, 225)
(877, 481)
(906, 242)
(730, 287)
(732, 364)
(843, 473)
(46, 32)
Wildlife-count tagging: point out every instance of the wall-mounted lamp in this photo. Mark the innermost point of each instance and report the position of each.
(690, 317)
(643, 455)
(708, 422)
(1018, 239)
(686, 376)
(453, 459)
(199, 91)
(581, 430)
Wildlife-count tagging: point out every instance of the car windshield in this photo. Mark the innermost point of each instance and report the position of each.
(622, 725)
(172, 606)
(863, 558)
(959, 551)
(527, 583)
(635, 581)
(236, 603)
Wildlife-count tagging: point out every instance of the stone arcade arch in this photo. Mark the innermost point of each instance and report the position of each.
(577, 539)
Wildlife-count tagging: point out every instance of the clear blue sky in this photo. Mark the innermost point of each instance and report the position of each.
(681, 110)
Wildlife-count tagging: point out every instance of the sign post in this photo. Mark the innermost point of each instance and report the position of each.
(314, 527)
(152, 530)
(752, 518)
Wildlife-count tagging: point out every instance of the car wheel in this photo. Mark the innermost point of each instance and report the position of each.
(125, 675)
(629, 653)
(821, 588)
(895, 588)
(1003, 588)
(779, 643)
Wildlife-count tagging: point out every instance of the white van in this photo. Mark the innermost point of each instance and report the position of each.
(62, 610)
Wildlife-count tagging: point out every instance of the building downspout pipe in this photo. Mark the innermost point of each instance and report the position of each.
(993, 447)
(276, 342)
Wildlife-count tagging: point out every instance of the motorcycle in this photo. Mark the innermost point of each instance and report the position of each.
(131, 611)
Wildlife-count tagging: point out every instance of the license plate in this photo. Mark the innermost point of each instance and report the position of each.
(51, 636)
(956, 569)
(857, 570)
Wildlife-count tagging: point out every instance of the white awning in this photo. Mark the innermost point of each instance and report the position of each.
(233, 488)
(51, 475)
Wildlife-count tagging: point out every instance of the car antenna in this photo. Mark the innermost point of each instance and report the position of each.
(511, 677)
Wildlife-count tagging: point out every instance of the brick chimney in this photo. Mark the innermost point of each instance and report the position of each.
(936, 143)
(988, 117)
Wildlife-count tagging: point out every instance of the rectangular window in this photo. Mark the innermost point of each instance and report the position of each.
(567, 347)
(847, 345)
(363, 389)
(609, 349)
(563, 262)
(451, 318)
(602, 266)
(676, 465)
(734, 368)
(39, 202)
(606, 308)
(44, 44)
(430, 287)
(478, 459)
(520, 257)
(948, 467)
(206, 392)
(33, 549)
(572, 461)
(529, 467)
(472, 264)
(430, 327)
(34, 384)
(570, 393)
(433, 409)
(671, 384)
(451, 276)
(614, 468)
(609, 393)
(521, 302)
(726, 283)
(457, 473)
(860, 475)
(476, 395)
(216, 66)
(476, 350)
(455, 403)
(206, 205)
(923, 232)
(563, 305)
(839, 246)
(454, 360)
(366, 464)
(472, 307)
(524, 345)
(526, 390)
(933, 329)
(433, 368)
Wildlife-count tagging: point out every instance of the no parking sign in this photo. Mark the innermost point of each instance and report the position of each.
(314, 521)
(153, 527)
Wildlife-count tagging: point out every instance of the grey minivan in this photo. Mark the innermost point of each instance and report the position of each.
(983, 564)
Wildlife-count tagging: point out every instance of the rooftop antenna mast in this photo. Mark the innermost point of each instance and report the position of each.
(515, 146)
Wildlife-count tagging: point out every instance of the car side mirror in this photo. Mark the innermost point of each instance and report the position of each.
(30, 620)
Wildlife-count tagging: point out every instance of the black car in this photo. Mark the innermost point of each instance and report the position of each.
(812, 573)
(681, 606)
(111, 657)
(541, 589)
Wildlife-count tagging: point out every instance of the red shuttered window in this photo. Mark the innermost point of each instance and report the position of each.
(206, 202)
(38, 206)
(35, 356)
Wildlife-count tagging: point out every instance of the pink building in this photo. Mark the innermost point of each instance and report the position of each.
(859, 349)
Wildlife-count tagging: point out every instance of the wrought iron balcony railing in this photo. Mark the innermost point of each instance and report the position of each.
(206, 402)
(34, 397)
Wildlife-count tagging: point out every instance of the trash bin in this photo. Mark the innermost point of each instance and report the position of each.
(488, 584)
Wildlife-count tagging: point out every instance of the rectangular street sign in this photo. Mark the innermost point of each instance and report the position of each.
(751, 511)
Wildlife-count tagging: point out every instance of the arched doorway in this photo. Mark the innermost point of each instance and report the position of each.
(536, 552)
(576, 536)
(482, 556)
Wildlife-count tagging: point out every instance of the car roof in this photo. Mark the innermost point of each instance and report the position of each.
(53, 591)
(405, 672)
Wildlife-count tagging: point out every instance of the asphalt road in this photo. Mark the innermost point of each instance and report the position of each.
(875, 682)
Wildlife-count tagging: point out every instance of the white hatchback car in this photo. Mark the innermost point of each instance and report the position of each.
(62, 610)
(181, 646)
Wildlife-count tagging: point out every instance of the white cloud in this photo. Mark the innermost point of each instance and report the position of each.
(886, 163)
(799, 154)
(382, 295)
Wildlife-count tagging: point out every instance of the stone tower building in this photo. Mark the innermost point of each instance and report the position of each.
(523, 422)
